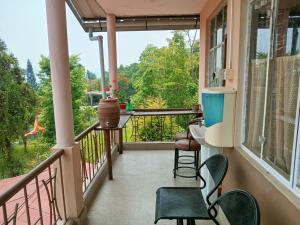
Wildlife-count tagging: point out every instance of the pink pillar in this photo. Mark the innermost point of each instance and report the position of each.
(62, 101)
(112, 53)
(60, 72)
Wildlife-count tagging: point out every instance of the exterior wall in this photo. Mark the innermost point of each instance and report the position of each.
(207, 12)
(278, 205)
(275, 207)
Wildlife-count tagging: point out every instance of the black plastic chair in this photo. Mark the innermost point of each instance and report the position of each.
(187, 203)
(239, 207)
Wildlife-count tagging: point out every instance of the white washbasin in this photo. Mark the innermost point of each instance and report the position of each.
(198, 133)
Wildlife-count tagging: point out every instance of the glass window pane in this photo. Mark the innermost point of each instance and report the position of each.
(210, 69)
(219, 60)
(212, 33)
(216, 60)
(259, 42)
(283, 95)
(219, 31)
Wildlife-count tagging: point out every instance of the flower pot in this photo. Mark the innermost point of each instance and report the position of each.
(122, 106)
(109, 113)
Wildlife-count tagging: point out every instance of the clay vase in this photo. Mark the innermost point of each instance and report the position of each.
(109, 113)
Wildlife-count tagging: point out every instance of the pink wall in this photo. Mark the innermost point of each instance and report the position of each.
(207, 12)
(244, 172)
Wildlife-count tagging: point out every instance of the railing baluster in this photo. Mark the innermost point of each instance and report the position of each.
(92, 150)
(101, 145)
(171, 125)
(125, 128)
(83, 162)
(4, 214)
(88, 152)
(39, 199)
(51, 192)
(26, 205)
(62, 188)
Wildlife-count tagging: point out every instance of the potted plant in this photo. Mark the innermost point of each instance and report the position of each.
(121, 95)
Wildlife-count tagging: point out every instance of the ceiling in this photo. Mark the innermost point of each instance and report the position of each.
(151, 7)
(138, 14)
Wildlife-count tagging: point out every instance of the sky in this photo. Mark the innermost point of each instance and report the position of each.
(23, 27)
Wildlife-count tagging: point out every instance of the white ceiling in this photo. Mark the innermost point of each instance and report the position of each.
(151, 7)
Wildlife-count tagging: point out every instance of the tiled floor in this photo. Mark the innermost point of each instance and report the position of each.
(130, 198)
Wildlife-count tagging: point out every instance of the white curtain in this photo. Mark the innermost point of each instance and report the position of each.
(281, 114)
(255, 104)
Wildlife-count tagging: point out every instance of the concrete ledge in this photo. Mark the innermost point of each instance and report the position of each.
(148, 146)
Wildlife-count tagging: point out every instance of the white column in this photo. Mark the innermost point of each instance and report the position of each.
(62, 101)
(112, 52)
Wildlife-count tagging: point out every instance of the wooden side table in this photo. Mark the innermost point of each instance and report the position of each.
(107, 144)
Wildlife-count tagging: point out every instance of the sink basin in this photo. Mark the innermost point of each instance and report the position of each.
(198, 133)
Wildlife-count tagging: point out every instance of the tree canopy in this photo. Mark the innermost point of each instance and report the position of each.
(30, 76)
(78, 87)
(168, 73)
(17, 100)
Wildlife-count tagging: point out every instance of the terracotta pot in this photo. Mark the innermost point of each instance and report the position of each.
(122, 106)
(109, 112)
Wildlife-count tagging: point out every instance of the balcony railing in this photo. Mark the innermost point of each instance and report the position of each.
(32, 200)
(92, 153)
(158, 125)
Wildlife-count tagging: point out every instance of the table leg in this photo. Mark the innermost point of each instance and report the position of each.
(121, 141)
(108, 153)
(179, 221)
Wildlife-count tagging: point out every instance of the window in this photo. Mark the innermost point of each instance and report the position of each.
(217, 51)
(272, 86)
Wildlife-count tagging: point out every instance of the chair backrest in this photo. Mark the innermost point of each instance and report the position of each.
(239, 207)
(217, 166)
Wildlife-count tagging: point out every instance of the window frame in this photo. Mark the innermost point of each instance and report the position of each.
(212, 51)
(291, 181)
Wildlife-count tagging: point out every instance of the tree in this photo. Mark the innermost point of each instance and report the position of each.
(78, 87)
(165, 73)
(194, 47)
(90, 75)
(17, 100)
(30, 76)
(125, 81)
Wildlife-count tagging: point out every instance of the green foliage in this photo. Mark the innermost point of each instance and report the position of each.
(78, 87)
(166, 73)
(17, 161)
(157, 127)
(88, 116)
(30, 76)
(17, 100)
(261, 55)
(90, 75)
(125, 81)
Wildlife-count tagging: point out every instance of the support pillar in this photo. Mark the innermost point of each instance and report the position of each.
(112, 53)
(62, 101)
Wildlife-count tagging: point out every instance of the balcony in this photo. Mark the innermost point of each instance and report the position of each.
(74, 178)
(130, 198)
(39, 197)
